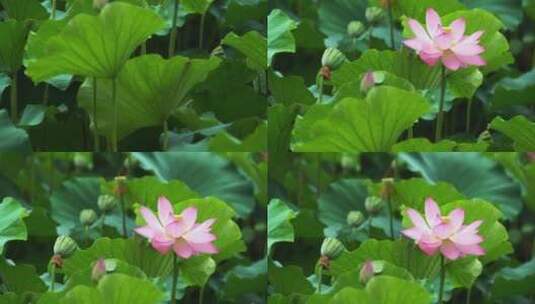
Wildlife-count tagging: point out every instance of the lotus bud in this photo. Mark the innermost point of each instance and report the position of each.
(333, 59)
(370, 79)
(354, 218)
(374, 14)
(88, 217)
(130, 162)
(373, 205)
(332, 248)
(369, 269)
(83, 161)
(387, 188)
(106, 202)
(99, 4)
(355, 29)
(99, 270)
(64, 246)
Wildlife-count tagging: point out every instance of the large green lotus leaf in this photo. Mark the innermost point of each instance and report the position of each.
(472, 174)
(21, 278)
(355, 125)
(519, 129)
(495, 235)
(22, 10)
(12, 226)
(251, 44)
(13, 138)
(96, 46)
(197, 270)
(205, 173)
(424, 145)
(289, 279)
(509, 11)
(392, 290)
(401, 252)
(149, 89)
(75, 195)
(335, 15)
(196, 6)
(146, 191)
(280, 38)
(280, 228)
(417, 8)
(413, 192)
(36, 40)
(515, 281)
(242, 280)
(290, 90)
(13, 36)
(116, 289)
(341, 197)
(514, 91)
(131, 251)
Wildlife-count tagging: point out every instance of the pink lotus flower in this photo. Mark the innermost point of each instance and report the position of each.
(178, 232)
(445, 43)
(444, 233)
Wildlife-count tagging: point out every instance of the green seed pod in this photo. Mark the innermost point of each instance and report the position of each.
(332, 248)
(355, 218)
(64, 246)
(374, 14)
(355, 29)
(88, 217)
(106, 202)
(373, 205)
(333, 59)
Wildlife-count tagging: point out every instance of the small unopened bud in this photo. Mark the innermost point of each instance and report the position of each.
(333, 59)
(387, 188)
(369, 269)
(373, 205)
(64, 246)
(332, 248)
(355, 29)
(99, 270)
(354, 218)
(370, 79)
(88, 217)
(99, 4)
(485, 137)
(374, 14)
(83, 161)
(106, 202)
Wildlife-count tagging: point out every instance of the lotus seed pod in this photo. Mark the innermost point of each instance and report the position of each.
(333, 59)
(355, 29)
(106, 202)
(88, 217)
(374, 14)
(355, 218)
(64, 246)
(373, 205)
(332, 248)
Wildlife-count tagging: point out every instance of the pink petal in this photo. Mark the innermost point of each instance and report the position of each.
(466, 49)
(454, 224)
(165, 211)
(472, 60)
(204, 248)
(183, 249)
(429, 245)
(432, 212)
(451, 62)
(189, 216)
(457, 29)
(415, 44)
(472, 39)
(433, 22)
(417, 220)
(471, 249)
(161, 243)
(146, 231)
(151, 219)
(199, 237)
(473, 227)
(450, 251)
(176, 229)
(429, 58)
(464, 238)
(419, 31)
(414, 233)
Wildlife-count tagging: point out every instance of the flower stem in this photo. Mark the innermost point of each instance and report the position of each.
(172, 37)
(165, 144)
(391, 218)
(442, 279)
(440, 118)
(175, 279)
(53, 13)
(201, 295)
(14, 113)
(320, 88)
(95, 120)
(468, 115)
(123, 214)
(320, 276)
(391, 21)
(201, 31)
(410, 134)
(115, 110)
(370, 226)
(469, 295)
(52, 276)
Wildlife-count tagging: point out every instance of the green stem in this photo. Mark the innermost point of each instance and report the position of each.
(53, 14)
(391, 218)
(115, 110)
(95, 120)
(123, 214)
(52, 276)
(320, 88)
(440, 118)
(370, 226)
(391, 21)
(201, 295)
(172, 37)
(14, 113)
(411, 133)
(143, 50)
(201, 31)
(175, 279)
(442, 279)
(468, 115)
(320, 276)
(165, 144)
(469, 295)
